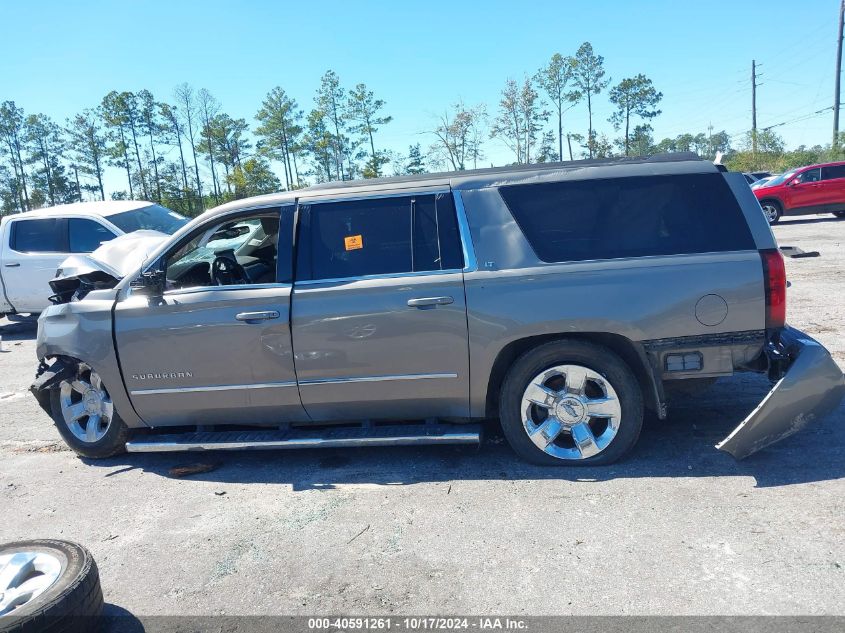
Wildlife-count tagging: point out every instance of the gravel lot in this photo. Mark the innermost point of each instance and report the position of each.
(678, 528)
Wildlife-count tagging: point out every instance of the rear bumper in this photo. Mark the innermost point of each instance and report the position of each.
(809, 386)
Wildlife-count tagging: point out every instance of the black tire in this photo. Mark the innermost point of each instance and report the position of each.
(73, 603)
(595, 357)
(112, 443)
(776, 207)
(839, 214)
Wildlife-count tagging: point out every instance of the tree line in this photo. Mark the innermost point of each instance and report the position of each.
(188, 154)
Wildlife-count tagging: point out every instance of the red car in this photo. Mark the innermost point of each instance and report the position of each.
(803, 191)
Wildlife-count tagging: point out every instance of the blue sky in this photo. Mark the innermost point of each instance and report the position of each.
(60, 57)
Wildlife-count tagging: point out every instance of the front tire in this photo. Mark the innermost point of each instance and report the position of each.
(85, 416)
(571, 403)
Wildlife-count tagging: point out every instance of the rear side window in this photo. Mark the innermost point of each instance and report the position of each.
(833, 171)
(629, 217)
(85, 236)
(379, 236)
(38, 236)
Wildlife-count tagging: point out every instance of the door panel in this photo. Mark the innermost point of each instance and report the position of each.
(363, 352)
(32, 252)
(807, 191)
(188, 358)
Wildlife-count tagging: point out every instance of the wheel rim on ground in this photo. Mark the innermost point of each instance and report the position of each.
(24, 576)
(571, 412)
(86, 406)
(771, 212)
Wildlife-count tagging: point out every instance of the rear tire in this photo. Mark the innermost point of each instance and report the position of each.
(73, 602)
(552, 372)
(772, 210)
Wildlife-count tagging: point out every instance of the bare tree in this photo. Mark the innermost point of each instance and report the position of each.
(459, 137)
(187, 108)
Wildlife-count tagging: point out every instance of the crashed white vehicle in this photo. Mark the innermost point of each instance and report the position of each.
(35, 243)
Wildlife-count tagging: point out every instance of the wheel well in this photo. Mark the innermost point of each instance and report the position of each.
(777, 202)
(627, 350)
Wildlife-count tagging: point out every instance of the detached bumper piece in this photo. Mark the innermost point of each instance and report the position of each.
(333, 437)
(47, 378)
(809, 386)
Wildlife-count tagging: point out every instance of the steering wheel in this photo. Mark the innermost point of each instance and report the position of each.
(226, 271)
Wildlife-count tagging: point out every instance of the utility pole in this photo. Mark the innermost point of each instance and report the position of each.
(754, 105)
(838, 74)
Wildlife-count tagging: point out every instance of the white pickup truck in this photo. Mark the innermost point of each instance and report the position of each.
(34, 244)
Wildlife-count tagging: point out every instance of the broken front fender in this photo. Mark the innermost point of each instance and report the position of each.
(812, 386)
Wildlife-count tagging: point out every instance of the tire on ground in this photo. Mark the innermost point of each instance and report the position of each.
(72, 604)
(595, 357)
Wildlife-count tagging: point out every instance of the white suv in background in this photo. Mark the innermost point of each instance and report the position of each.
(35, 243)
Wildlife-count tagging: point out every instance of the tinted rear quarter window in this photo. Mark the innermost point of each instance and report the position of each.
(38, 236)
(629, 217)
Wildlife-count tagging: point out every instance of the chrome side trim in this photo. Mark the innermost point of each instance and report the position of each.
(196, 289)
(265, 385)
(312, 199)
(329, 381)
(470, 260)
(337, 280)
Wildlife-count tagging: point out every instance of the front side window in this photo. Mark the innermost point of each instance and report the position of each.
(85, 236)
(629, 217)
(236, 251)
(811, 175)
(379, 236)
(39, 236)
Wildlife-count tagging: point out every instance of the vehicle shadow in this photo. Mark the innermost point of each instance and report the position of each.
(681, 446)
(16, 327)
(787, 220)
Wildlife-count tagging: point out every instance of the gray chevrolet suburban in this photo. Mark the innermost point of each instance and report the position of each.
(561, 299)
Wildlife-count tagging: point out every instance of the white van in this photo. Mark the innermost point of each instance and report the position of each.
(33, 244)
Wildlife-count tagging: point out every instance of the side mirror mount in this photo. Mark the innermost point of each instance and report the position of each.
(150, 283)
(792, 183)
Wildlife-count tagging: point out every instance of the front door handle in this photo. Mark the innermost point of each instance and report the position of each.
(424, 302)
(255, 317)
(13, 265)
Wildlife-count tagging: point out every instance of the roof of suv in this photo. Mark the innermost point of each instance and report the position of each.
(101, 208)
(659, 164)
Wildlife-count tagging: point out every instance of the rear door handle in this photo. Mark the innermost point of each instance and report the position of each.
(423, 302)
(254, 317)
(12, 265)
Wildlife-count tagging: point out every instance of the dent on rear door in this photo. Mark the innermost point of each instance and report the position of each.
(812, 387)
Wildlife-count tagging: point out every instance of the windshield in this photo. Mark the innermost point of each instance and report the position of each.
(779, 180)
(153, 218)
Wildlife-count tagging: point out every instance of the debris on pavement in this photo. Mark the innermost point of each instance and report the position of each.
(191, 469)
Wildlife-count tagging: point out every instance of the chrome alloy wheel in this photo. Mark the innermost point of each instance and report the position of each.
(86, 406)
(24, 576)
(771, 212)
(570, 412)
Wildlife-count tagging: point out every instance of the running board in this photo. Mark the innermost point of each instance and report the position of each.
(332, 437)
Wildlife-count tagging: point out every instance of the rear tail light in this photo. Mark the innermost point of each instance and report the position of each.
(774, 274)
